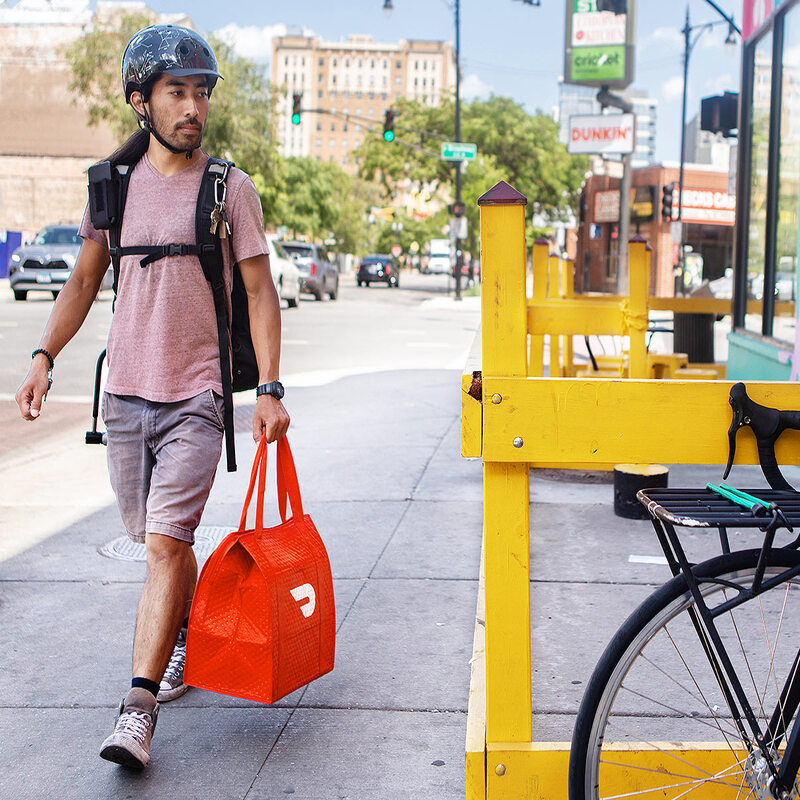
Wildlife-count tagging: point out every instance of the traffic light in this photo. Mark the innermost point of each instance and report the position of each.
(719, 114)
(615, 6)
(296, 98)
(388, 126)
(667, 200)
(457, 209)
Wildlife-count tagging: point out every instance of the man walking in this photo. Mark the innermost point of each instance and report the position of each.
(163, 405)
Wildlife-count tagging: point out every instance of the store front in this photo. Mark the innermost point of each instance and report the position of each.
(767, 241)
(708, 213)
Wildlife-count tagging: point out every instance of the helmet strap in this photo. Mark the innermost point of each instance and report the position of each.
(147, 124)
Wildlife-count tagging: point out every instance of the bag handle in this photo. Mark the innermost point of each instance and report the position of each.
(286, 480)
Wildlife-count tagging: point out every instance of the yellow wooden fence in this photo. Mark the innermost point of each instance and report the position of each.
(513, 421)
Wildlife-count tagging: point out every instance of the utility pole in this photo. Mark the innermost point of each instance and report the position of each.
(605, 98)
(457, 165)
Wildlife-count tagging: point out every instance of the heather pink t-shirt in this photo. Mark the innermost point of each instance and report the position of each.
(163, 343)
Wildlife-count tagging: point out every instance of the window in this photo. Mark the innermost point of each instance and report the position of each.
(372, 63)
(370, 112)
(383, 95)
(372, 95)
(344, 144)
(358, 95)
(759, 155)
(319, 126)
(320, 77)
(319, 94)
(321, 62)
(344, 159)
(416, 65)
(319, 143)
(334, 62)
(385, 64)
(397, 81)
(347, 63)
(359, 63)
(344, 127)
(333, 143)
(333, 126)
(787, 247)
(286, 61)
(399, 64)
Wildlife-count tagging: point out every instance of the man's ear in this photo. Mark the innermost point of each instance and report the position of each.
(137, 103)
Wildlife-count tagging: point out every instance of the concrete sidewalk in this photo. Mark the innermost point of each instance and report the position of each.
(400, 512)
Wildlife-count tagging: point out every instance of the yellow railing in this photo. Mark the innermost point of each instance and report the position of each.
(513, 421)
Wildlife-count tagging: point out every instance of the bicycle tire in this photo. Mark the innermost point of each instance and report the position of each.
(631, 698)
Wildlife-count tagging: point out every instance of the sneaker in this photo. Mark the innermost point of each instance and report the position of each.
(129, 745)
(172, 685)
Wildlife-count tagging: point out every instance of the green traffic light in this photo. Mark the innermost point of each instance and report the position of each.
(295, 119)
(388, 136)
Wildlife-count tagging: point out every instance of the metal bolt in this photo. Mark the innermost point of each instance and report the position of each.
(500, 769)
(518, 442)
(497, 399)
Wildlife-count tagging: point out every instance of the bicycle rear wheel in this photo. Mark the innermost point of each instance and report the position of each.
(654, 690)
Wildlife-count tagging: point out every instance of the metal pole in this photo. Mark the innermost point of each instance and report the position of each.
(458, 139)
(687, 32)
(624, 224)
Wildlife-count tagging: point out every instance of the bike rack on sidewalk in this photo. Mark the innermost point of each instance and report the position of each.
(513, 422)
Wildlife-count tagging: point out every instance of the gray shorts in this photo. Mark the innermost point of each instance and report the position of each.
(162, 458)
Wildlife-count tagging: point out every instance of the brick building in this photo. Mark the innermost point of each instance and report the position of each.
(708, 217)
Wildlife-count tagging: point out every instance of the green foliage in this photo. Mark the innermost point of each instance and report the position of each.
(321, 200)
(95, 60)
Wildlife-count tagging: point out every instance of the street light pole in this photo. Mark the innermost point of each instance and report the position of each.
(457, 164)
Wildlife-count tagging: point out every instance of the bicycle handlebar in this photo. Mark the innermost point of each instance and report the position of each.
(767, 425)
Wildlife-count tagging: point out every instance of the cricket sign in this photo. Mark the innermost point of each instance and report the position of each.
(600, 42)
(604, 134)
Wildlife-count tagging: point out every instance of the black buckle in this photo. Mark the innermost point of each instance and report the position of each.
(178, 249)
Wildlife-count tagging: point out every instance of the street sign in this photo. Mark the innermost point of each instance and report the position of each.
(458, 151)
(599, 42)
(458, 228)
(397, 250)
(602, 134)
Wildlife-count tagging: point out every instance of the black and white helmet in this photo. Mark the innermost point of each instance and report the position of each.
(166, 49)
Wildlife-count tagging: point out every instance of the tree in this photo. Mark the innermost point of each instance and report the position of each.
(240, 127)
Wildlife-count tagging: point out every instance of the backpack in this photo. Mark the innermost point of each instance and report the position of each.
(108, 190)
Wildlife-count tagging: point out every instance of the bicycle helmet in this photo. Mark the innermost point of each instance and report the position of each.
(165, 49)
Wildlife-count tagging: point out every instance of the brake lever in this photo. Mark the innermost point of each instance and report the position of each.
(767, 425)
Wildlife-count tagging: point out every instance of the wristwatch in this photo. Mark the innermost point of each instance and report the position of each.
(275, 388)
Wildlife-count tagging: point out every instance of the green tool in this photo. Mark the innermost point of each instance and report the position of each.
(748, 501)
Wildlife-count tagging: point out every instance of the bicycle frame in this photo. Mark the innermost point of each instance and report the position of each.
(703, 617)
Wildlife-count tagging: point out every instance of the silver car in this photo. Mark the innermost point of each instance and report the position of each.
(284, 273)
(317, 274)
(45, 265)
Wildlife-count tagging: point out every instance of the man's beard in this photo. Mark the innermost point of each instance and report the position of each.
(178, 139)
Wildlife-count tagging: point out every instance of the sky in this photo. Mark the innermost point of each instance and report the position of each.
(508, 48)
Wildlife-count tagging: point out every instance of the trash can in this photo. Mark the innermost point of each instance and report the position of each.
(694, 335)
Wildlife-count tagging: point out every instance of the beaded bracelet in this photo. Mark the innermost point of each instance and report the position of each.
(46, 355)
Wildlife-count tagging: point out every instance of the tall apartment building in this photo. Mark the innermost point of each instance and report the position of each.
(358, 77)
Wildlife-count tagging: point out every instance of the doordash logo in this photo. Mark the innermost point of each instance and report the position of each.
(305, 592)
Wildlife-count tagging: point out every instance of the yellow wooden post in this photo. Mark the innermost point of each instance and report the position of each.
(554, 293)
(505, 503)
(639, 283)
(568, 292)
(541, 249)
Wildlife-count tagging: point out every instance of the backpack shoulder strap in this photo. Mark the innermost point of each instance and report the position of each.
(122, 177)
(212, 192)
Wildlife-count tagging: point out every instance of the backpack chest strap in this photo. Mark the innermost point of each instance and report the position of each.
(154, 253)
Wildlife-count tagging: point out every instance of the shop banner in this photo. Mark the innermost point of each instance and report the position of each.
(602, 134)
(606, 206)
(707, 207)
(754, 14)
(599, 42)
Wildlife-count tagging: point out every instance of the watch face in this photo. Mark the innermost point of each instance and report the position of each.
(277, 390)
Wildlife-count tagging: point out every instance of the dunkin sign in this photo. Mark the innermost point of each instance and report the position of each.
(602, 134)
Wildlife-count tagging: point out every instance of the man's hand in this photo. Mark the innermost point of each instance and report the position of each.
(33, 390)
(269, 416)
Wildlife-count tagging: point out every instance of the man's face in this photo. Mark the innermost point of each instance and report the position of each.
(179, 109)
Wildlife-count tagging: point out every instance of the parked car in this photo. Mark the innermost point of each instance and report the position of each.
(318, 276)
(374, 268)
(45, 265)
(284, 273)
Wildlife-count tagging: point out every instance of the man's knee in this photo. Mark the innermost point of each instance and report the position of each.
(166, 551)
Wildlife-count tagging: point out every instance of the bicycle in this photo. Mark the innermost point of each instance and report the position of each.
(698, 692)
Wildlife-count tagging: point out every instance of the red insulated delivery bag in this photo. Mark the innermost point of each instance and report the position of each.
(263, 621)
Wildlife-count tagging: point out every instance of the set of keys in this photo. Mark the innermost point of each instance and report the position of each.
(219, 217)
